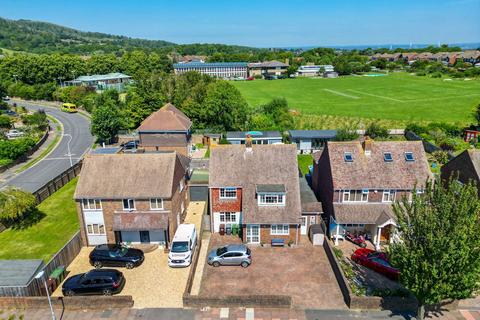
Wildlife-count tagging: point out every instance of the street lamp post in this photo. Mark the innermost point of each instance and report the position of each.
(69, 154)
(41, 275)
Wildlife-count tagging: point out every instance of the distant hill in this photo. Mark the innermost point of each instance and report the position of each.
(44, 37)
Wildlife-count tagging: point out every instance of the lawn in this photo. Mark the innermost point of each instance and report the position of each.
(398, 97)
(304, 160)
(43, 239)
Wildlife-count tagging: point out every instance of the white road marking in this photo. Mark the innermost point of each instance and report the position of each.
(249, 314)
(224, 313)
(376, 95)
(62, 158)
(444, 98)
(341, 94)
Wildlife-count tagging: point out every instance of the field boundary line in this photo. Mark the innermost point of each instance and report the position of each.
(444, 98)
(376, 96)
(341, 94)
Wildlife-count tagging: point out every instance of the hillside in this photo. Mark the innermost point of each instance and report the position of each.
(44, 37)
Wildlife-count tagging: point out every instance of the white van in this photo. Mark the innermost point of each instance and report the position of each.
(183, 246)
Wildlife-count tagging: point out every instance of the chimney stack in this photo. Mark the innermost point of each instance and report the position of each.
(367, 145)
(248, 143)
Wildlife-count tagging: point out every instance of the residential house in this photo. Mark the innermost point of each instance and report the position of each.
(424, 56)
(409, 56)
(100, 82)
(308, 141)
(132, 198)
(358, 181)
(464, 168)
(211, 139)
(258, 137)
(470, 56)
(167, 129)
(222, 70)
(267, 68)
(257, 188)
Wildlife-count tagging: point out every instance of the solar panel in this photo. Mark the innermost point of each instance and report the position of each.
(348, 157)
(387, 156)
(409, 156)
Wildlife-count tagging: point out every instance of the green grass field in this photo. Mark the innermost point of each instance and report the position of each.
(398, 97)
(43, 239)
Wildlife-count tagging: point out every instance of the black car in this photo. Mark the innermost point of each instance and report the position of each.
(112, 255)
(106, 282)
(131, 144)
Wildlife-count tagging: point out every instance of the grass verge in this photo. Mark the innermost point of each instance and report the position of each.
(304, 160)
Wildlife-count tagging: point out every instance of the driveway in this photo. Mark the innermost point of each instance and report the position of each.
(78, 126)
(302, 272)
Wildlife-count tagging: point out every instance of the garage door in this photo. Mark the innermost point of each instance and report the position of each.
(198, 193)
(134, 236)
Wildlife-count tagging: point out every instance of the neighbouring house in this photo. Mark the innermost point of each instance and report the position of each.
(358, 181)
(211, 139)
(167, 129)
(132, 198)
(470, 135)
(308, 141)
(315, 70)
(256, 187)
(470, 56)
(100, 82)
(258, 137)
(267, 68)
(409, 56)
(222, 70)
(424, 56)
(463, 168)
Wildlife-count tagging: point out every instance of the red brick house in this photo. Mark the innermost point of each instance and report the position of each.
(134, 198)
(358, 181)
(167, 129)
(257, 188)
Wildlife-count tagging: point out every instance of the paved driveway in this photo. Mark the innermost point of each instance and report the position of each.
(302, 272)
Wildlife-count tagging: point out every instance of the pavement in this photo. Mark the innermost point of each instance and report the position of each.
(78, 126)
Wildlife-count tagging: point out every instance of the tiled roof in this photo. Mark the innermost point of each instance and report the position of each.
(168, 118)
(267, 64)
(138, 176)
(233, 165)
(372, 171)
(365, 213)
(309, 202)
(466, 165)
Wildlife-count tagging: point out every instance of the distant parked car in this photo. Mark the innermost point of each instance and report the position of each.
(6, 98)
(106, 282)
(14, 133)
(113, 255)
(250, 78)
(377, 261)
(231, 255)
(10, 113)
(130, 146)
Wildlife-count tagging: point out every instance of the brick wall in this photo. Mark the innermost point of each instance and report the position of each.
(266, 237)
(218, 205)
(68, 303)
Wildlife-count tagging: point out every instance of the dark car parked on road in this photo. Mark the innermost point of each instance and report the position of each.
(113, 255)
(106, 282)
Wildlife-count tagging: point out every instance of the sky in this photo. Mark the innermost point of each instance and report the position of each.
(264, 23)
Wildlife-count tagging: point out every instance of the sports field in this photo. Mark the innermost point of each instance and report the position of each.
(398, 97)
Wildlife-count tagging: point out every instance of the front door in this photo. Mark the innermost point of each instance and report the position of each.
(144, 237)
(304, 225)
(253, 233)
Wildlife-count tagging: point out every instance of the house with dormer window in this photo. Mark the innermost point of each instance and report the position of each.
(257, 188)
(357, 182)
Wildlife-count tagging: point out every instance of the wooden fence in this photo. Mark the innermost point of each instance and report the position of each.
(56, 183)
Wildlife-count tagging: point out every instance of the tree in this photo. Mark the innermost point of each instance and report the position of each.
(15, 204)
(5, 122)
(439, 248)
(375, 130)
(477, 114)
(106, 121)
(347, 132)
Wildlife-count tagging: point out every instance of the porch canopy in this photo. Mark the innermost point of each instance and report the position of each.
(138, 221)
(366, 213)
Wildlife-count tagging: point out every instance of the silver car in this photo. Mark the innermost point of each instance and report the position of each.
(231, 255)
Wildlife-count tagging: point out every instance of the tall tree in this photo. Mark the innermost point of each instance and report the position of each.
(439, 248)
(15, 204)
(106, 122)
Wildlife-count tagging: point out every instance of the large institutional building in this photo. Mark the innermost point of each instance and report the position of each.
(223, 70)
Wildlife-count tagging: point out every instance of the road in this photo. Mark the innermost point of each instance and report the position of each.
(78, 126)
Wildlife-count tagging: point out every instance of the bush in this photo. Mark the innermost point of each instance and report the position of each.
(436, 75)
(374, 130)
(5, 122)
(15, 204)
(440, 157)
(14, 149)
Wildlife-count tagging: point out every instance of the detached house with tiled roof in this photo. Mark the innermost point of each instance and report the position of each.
(257, 187)
(167, 129)
(131, 198)
(357, 182)
(464, 168)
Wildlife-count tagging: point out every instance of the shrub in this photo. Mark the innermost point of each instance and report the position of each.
(440, 157)
(374, 130)
(15, 204)
(14, 149)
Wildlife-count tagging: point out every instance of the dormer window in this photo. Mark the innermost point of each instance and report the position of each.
(271, 194)
(409, 156)
(387, 157)
(347, 156)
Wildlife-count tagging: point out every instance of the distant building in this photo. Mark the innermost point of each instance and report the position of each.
(258, 137)
(308, 141)
(100, 82)
(315, 70)
(267, 68)
(470, 56)
(223, 70)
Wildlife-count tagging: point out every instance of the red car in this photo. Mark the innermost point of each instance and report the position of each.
(377, 261)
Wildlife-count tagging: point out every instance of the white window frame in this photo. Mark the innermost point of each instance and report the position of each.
(279, 229)
(389, 195)
(90, 229)
(128, 201)
(224, 192)
(277, 198)
(88, 206)
(157, 201)
(228, 217)
(352, 195)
